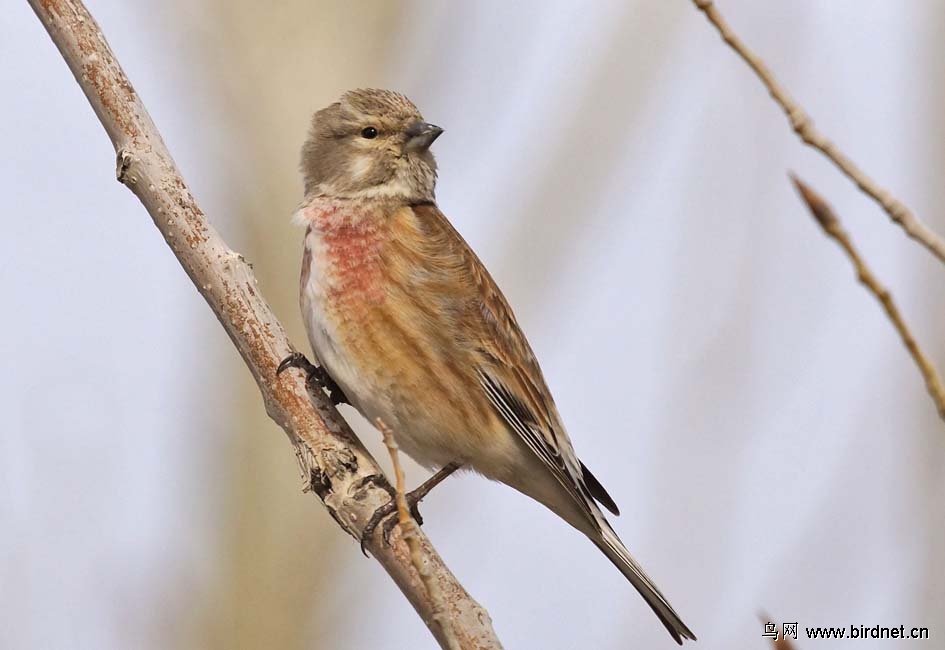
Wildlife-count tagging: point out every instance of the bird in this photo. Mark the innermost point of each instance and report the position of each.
(413, 331)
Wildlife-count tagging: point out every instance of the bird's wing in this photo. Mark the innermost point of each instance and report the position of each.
(506, 367)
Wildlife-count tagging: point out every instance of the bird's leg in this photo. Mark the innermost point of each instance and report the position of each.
(314, 374)
(413, 499)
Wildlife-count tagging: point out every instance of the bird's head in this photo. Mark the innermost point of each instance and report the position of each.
(370, 144)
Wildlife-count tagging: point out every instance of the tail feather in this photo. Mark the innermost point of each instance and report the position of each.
(614, 549)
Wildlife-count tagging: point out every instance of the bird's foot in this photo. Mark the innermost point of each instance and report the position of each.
(314, 375)
(412, 498)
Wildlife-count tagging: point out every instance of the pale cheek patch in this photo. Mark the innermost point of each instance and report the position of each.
(360, 167)
(394, 188)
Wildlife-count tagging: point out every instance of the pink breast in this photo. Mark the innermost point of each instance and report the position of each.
(351, 243)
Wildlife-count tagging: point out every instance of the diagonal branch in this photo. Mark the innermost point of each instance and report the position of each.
(409, 528)
(829, 221)
(335, 465)
(804, 127)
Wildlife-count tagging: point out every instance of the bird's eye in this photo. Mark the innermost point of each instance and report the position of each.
(369, 132)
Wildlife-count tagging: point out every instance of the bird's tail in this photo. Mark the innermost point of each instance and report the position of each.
(614, 549)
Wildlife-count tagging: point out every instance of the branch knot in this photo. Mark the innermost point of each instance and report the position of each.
(123, 162)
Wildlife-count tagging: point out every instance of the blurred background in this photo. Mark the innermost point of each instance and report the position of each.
(623, 175)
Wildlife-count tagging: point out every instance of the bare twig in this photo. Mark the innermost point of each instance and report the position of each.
(802, 124)
(409, 530)
(335, 465)
(829, 221)
(782, 643)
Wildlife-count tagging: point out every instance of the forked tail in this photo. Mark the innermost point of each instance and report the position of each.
(614, 549)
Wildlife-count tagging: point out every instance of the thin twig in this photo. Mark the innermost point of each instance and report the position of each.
(802, 124)
(335, 464)
(409, 532)
(782, 643)
(829, 221)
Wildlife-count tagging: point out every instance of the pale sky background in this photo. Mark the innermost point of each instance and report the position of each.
(623, 175)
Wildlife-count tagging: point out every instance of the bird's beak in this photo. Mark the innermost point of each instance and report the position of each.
(420, 135)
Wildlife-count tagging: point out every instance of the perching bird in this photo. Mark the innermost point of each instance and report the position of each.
(410, 325)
